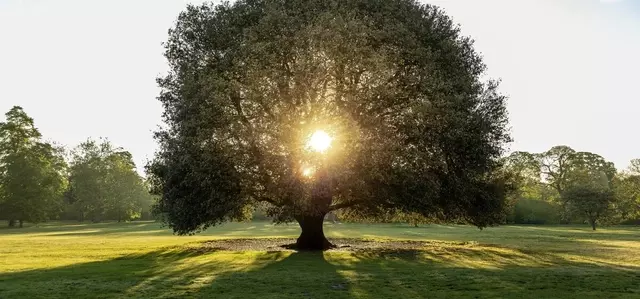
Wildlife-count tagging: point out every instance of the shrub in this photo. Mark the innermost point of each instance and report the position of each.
(535, 211)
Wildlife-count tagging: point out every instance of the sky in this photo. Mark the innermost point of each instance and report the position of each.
(87, 68)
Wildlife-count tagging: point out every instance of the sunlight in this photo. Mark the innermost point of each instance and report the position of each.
(308, 171)
(320, 141)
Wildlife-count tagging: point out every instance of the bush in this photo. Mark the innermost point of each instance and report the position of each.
(260, 213)
(631, 222)
(535, 211)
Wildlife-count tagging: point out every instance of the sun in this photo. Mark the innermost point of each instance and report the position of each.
(320, 141)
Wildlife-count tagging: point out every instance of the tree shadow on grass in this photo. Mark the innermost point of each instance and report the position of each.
(91, 229)
(438, 272)
(146, 228)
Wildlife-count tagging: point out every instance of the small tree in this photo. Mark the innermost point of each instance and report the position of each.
(393, 84)
(589, 195)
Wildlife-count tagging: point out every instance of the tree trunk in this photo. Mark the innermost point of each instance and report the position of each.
(312, 236)
(20, 223)
(12, 223)
(593, 223)
(311, 219)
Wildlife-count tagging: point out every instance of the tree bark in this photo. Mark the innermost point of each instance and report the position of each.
(593, 223)
(12, 223)
(312, 235)
(311, 219)
(20, 221)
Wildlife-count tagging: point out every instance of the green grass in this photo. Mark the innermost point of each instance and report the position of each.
(143, 260)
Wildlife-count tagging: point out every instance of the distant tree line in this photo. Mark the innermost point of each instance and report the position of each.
(41, 181)
(559, 186)
(563, 185)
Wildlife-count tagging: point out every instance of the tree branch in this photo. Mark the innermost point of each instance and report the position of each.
(271, 201)
(267, 109)
(343, 205)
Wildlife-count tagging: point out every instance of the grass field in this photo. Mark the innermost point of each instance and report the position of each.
(143, 260)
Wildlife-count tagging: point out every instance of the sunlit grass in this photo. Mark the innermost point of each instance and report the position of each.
(144, 260)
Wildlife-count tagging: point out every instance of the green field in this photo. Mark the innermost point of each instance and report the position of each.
(143, 260)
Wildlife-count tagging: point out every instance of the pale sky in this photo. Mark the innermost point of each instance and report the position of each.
(87, 68)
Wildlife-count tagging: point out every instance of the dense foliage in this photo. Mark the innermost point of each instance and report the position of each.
(562, 185)
(104, 183)
(394, 83)
(98, 182)
(535, 211)
(31, 171)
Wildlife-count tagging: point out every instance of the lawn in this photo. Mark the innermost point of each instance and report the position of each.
(144, 260)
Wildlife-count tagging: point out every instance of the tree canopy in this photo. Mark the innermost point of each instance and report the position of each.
(394, 83)
(104, 183)
(627, 193)
(589, 194)
(583, 184)
(40, 181)
(31, 171)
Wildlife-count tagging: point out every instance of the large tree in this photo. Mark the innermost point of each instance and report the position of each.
(31, 171)
(393, 84)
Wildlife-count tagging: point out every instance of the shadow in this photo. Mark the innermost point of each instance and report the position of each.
(92, 229)
(435, 272)
(147, 228)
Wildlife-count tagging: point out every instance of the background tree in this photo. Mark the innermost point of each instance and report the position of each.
(535, 200)
(543, 178)
(31, 171)
(594, 175)
(589, 194)
(582, 162)
(87, 181)
(627, 192)
(104, 183)
(555, 166)
(414, 127)
(526, 173)
(126, 188)
(635, 167)
(146, 201)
